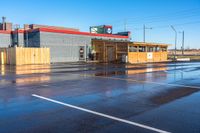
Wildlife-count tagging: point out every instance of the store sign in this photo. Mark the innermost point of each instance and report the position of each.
(104, 29)
(149, 56)
(109, 30)
(94, 30)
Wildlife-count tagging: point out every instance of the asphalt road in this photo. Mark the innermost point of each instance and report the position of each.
(100, 98)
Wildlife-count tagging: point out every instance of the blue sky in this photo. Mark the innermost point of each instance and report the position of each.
(158, 14)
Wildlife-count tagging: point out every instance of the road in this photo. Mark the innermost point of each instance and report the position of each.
(100, 98)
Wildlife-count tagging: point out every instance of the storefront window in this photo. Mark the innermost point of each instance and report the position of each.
(163, 49)
(157, 49)
(142, 49)
(133, 49)
(150, 49)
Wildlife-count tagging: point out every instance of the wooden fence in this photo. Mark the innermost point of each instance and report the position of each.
(141, 57)
(23, 56)
(3, 56)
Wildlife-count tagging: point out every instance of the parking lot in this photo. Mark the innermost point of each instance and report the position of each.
(100, 98)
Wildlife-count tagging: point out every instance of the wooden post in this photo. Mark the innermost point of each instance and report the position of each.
(2, 58)
(104, 52)
(116, 51)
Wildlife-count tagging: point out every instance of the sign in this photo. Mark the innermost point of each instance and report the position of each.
(103, 29)
(149, 56)
(109, 30)
(93, 30)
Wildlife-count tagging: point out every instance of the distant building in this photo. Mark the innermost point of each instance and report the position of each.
(5, 33)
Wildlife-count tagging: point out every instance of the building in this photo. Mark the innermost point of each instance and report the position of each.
(5, 38)
(139, 52)
(5, 33)
(73, 45)
(67, 45)
(126, 51)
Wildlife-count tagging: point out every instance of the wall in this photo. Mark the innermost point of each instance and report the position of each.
(33, 39)
(5, 40)
(64, 47)
(21, 40)
(23, 56)
(109, 51)
(3, 56)
(141, 57)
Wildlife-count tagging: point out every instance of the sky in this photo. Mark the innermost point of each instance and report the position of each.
(123, 15)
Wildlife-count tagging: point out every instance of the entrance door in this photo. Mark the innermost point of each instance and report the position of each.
(110, 54)
(81, 53)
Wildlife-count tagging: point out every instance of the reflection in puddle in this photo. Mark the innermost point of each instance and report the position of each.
(2, 70)
(112, 73)
(31, 80)
(31, 69)
(25, 72)
(25, 69)
(129, 70)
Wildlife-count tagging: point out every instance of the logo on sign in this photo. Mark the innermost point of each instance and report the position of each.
(109, 30)
(149, 55)
(94, 30)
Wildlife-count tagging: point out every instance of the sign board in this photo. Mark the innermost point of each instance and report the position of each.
(149, 56)
(93, 30)
(104, 29)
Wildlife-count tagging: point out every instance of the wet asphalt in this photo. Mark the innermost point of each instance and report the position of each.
(165, 96)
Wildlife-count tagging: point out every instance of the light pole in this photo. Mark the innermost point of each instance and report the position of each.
(175, 40)
(183, 41)
(125, 25)
(144, 32)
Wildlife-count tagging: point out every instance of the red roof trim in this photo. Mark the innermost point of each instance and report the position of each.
(80, 33)
(5, 32)
(21, 31)
(18, 31)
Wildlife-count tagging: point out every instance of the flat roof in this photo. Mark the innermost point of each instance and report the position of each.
(149, 43)
(134, 43)
(107, 40)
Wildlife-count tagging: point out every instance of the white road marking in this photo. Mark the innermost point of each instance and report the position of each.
(149, 82)
(103, 115)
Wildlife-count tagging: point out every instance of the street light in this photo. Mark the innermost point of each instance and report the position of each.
(175, 40)
(183, 40)
(144, 31)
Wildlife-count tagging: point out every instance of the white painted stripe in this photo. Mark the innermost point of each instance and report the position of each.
(149, 82)
(103, 115)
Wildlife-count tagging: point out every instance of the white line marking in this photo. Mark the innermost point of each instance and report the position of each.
(101, 114)
(149, 82)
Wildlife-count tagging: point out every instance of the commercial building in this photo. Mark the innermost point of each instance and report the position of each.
(132, 52)
(67, 45)
(72, 45)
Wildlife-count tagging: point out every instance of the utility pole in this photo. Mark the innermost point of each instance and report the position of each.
(183, 41)
(144, 32)
(175, 40)
(125, 25)
(4, 23)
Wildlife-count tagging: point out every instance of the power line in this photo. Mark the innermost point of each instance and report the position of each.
(167, 26)
(176, 16)
(188, 14)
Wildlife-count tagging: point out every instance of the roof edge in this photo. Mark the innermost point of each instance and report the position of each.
(80, 33)
(5, 32)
